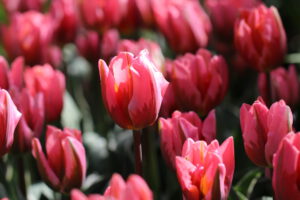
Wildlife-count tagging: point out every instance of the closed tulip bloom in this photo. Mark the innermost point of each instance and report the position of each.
(51, 83)
(64, 165)
(132, 89)
(22, 5)
(4, 77)
(286, 168)
(88, 45)
(205, 171)
(199, 81)
(109, 43)
(145, 12)
(153, 48)
(9, 118)
(174, 132)
(284, 85)
(183, 22)
(223, 14)
(263, 129)
(260, 37)
(134, 188)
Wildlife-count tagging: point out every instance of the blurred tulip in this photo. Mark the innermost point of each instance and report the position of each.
(223, 14)
(199, 81)
(132, 89)
(184, 23)
(260, 37)
(9, 118)
(29, 35)
(22, 5)
(88, 45)
(174, 132)
(109, 44)
(134, 188)
(64, 13)
(54, 56)
(153, 48)
(4, 78)
(286, 168)
(263, 129)
(145, 12)
(284, 85)
(206, 171)
(64, 168)
(32, 120)
(51, 83)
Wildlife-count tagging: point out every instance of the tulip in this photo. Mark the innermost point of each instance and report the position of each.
(263, 129)
(9, 118)
(88, 45)
(134, 188)
(4, 79)
(174, 132)
(32, 120)
(260, 37)
(223, 14)
(28, 35)
(205, 171)
(286, 168)
(64, 13)
(153, 48)
(183, 22)
(199, 81)
(145, 12)
(284, 85)
(132, 89)
(64, 166)
(51, 83)
(109, 43)
(13, 6)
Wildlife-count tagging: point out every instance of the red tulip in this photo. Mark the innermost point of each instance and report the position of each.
(64, 167)
(184, 23)
(132, 89)
(174, 132)
(260, 37)
(286, 168)
(109, 43)
(4, 79)
(51, 83)
(134, 188)
(199, 81)
(9, 118)
(13, 6)
(206, 171)
(284, 85)
(28, 35)
(223, 13)
(88, 45)
(145, 12)
(153, 48)
(264, 128)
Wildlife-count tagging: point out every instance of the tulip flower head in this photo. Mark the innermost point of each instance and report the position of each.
(174, 132)
(64, 166)
(263, 129)
(205, 171)
(132, 89)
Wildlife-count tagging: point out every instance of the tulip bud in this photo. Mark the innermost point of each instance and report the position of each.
(64, 166)
(199, 81)
(4, 79)
(145, 11)
(205, 171)
(174, 132)
(88, 45)
(286, 168)
(132, 89)
(260, 37)
(13, 6)
(284, 85)
(9, 118)
(263, 129)
(51, 83)
(183, 22)
(109, 43)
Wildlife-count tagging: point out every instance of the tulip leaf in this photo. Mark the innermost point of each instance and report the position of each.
(293, 58)
(37, 190)
(71, 115)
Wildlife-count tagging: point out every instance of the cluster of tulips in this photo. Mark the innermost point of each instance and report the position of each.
(169, 87)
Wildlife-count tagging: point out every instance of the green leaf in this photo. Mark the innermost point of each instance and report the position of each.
(71, 115)
(293, 58)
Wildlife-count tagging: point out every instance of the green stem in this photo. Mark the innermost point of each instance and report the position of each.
(138, 152)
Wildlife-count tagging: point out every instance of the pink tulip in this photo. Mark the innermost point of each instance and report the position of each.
(4, 79)
(51, 83)
(145, 12)
(264, 128)
(286, 168)
(284, 85)
(88, 45)
(9, 118)
(132, 89)
(153, 48)
(109, 43)
(134, 188)
(64, 166)
(199, 81)
(13, 6)
(174, 132)
(260, 37)
(205, 171)
(184, 23)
